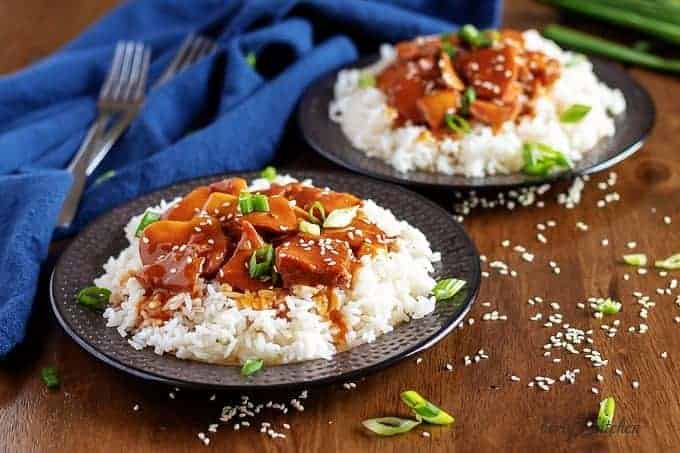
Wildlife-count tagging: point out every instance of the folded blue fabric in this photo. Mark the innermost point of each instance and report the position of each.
(219, 115)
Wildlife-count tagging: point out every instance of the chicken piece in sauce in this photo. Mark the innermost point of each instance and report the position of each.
(311, 260)
(235, 271)
(427, 79)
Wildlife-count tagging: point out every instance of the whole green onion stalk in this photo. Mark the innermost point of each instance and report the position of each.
(588, 43)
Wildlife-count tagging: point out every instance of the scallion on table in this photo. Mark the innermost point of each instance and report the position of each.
(50, 377)
(425, 410)
(622, 12)
(671, 263)
(589, 43)
(390, 426)
(635, 259)
(605, 415)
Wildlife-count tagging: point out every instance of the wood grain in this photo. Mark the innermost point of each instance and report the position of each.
(93, 410)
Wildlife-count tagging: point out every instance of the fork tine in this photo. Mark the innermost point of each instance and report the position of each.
(141, 86)
(184, 48)
(125, 71)
(135, 72)
(114, 71)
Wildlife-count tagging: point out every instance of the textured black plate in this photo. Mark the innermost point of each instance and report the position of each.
(83, 259)
(326, 136)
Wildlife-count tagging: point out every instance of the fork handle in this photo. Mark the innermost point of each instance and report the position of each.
(78, 168)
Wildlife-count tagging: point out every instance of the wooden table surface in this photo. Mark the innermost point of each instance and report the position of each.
(93, 410)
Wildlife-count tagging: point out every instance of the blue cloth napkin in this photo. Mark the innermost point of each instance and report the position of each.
(219, 115)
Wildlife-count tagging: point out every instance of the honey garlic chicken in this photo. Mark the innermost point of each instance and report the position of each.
(487, 76)
(274, 239)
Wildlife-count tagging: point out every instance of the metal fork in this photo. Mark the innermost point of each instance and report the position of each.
(121, 94)
(192, 49)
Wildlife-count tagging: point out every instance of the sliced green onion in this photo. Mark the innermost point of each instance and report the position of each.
(321, 218)
(605, 416)
(340, 218)
(93, 297)
(252, 366)
(148, 218)
(310, 228)
(457, 123)
(448, 48)
(104, 177)
(635, 259)
(50, 377)
(575, 113)
(260, 203)
(261, 262)
(366, 80)
(447, 288)
(575, 60)
(608, 306)
(268, 173)
(469, 96)
(541, 159)
(425, 410)
(251, 59)
(670, 263)
(245, 203)
(475, 38)
(390, 426)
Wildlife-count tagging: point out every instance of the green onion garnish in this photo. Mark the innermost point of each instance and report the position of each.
(469, 96)
(635, 259)
(251, 59)
(541, 159)
(447, 288)
(252, 366)
(457, 123)
(670, 263)
(469, 34)
(575, 60)
(148, 218)
(425, 410)
(260, 203)
(575, 113)
(366, 80)
(245, 203)
(475, 38)
(310, 228)
(340, 218)
(390, 426)
(448, 48)
(318, 207)
(605, 415)
(104, 177)
(93, 297)
(50, 377)
(268, 173)
(261, 262)
(608, 306)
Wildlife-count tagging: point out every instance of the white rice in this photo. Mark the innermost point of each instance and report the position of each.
(366, 120)
(389, 288)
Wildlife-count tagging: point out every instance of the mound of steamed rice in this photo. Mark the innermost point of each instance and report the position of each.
(366, 120)
(389, 288)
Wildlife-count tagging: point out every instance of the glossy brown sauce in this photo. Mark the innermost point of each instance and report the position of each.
(425, 82)
(205, 236)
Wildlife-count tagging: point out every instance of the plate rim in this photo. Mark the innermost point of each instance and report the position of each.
(628, 150)
(422, 345)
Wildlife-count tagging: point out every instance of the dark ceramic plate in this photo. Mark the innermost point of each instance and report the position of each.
(326, 136)
(83, 259)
